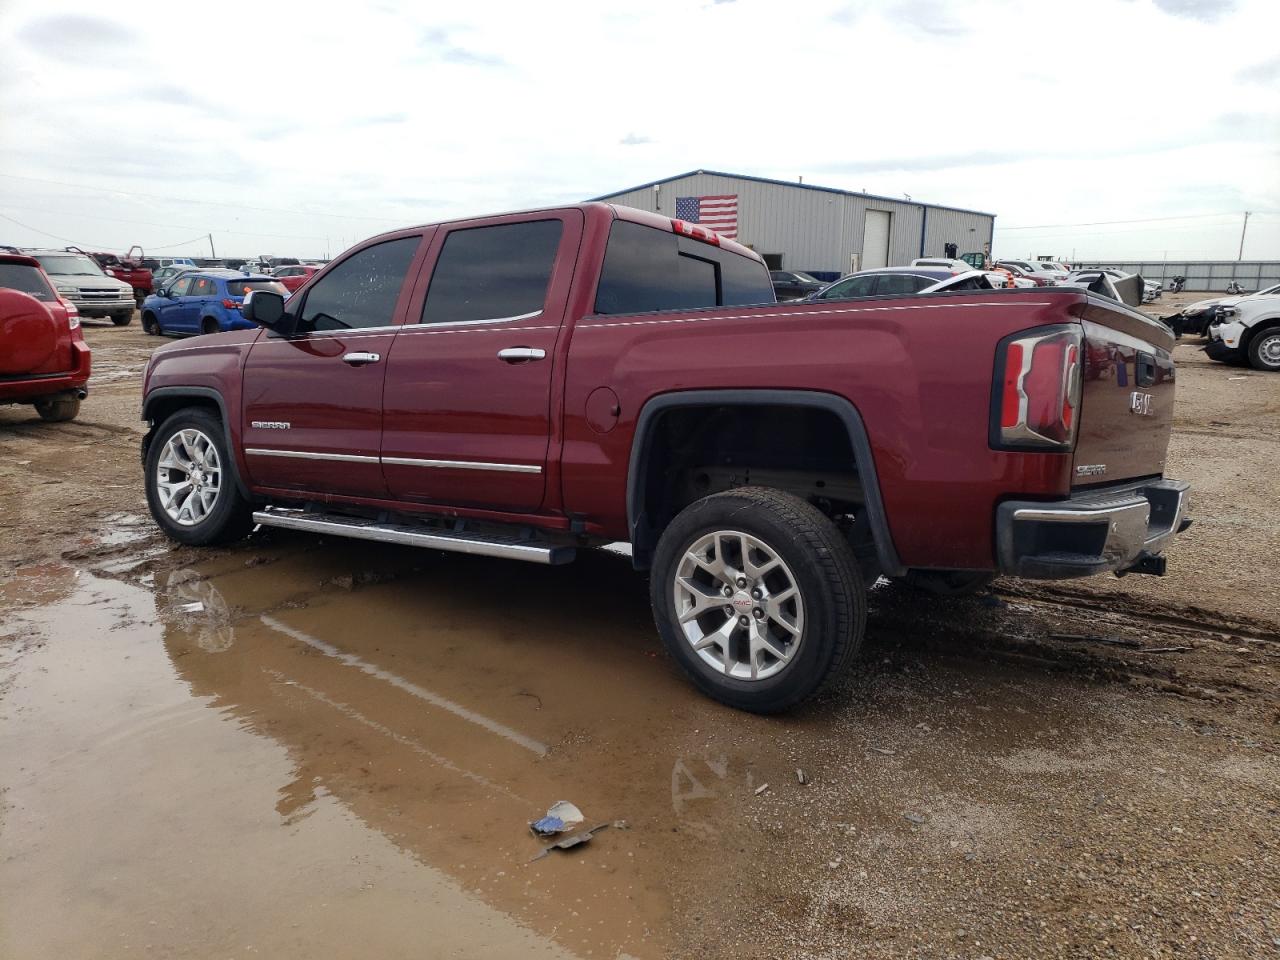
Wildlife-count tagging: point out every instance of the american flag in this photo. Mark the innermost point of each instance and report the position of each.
(715, 213)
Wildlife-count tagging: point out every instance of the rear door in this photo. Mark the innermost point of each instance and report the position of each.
(313, 402)
(468, 391)
(1126, 409)
(204, 290)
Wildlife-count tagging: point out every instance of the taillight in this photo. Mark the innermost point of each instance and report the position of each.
(231, 304)
(1036, 400)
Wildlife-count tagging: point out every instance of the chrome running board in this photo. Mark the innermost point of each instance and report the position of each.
(510, 546)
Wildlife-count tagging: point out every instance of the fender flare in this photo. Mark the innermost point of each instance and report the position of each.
(642, 537)
(205, 393)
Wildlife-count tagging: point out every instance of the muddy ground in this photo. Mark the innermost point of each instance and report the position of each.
(301, 748)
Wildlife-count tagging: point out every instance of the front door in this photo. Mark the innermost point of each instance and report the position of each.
(313, 401)
(468, 391)
(169, 310)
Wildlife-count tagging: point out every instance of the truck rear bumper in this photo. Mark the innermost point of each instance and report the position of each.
(1121, 529)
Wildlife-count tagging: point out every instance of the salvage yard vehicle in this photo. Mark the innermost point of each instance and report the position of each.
(166, 275)
(1043, 275)
(1247, 329)
(902, 281)
(78, 278)
(294, 276)
(531, 384)
(1196, 317)
(202, 302)
(789, 285)
(44, 360)
(130, 269)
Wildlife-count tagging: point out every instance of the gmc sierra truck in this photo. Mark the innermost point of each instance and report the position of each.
(535, 383)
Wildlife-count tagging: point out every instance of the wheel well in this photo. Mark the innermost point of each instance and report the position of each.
(169, 400)
(207, 322)
(683, 453)
(1268, 324)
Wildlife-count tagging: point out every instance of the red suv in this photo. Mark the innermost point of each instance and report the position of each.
(43, 357)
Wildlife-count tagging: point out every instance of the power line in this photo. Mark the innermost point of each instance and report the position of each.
(214, 203)
(52, 236)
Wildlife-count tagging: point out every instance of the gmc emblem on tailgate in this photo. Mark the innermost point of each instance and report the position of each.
(1140, 403)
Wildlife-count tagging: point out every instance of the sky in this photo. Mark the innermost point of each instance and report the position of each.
(1119, 129)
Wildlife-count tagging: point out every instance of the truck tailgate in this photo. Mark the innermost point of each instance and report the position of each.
(1126, 407)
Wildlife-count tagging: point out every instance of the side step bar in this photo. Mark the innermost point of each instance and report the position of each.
(509, 546)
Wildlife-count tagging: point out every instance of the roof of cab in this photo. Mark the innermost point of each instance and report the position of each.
(591, 209)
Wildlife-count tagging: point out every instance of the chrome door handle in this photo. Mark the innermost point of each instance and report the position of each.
(360, 359)
(521, 354)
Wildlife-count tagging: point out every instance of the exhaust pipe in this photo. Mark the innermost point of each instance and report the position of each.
(81, 393)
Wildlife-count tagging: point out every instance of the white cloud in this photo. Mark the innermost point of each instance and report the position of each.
(289, 132)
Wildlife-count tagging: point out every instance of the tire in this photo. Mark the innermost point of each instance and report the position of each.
(122, 319)
(198, 518)
(58, 409)
(209, 325)
(946, 583)
(150, 326)
(818, 629)
(1264, 350)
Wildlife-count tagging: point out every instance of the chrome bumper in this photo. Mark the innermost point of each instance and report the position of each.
(1120, 529)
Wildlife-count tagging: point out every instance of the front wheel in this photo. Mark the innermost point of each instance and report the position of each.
(149, 325)
(1264, 350)
(757, 595)
(122, 319)
(190, 481)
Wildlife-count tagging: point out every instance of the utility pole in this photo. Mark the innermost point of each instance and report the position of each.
(1240, 255)
(212, 252)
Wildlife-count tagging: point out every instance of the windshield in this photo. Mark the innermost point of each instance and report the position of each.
(239, 288)
(68, 265)
(25, 279)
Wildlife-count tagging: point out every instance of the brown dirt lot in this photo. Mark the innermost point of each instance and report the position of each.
(297, 747)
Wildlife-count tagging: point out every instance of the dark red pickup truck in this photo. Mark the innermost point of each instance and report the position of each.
(529, 384)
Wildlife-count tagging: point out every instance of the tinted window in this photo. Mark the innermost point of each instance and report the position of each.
(851, 287)
(362, 290)
(68, 264)
(26, 279)
(242, 288)
(648, 269)
(203, 287)
(180, 286)
(493, 273)
(900, 284)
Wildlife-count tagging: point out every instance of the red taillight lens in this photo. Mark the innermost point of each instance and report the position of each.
(1039, 378)
(231, 304)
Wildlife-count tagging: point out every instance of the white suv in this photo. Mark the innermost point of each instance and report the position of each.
(1247, 329)
(79, 279)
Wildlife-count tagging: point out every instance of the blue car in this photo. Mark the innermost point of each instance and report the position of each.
(203, 301)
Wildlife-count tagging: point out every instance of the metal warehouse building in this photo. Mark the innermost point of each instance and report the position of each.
(798, 226)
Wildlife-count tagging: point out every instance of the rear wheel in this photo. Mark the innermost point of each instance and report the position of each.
(123, 318)
(757, 596)
(190, 481)
(208, 325)
(58, 409)
(1264, 350)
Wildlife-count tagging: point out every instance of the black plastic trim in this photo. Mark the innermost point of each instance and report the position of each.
(207, 393)
(643, 539)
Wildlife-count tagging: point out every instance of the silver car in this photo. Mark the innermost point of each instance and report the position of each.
(79, 279)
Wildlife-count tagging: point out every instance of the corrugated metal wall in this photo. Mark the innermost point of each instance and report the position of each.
(1210, 275)
(818, 229)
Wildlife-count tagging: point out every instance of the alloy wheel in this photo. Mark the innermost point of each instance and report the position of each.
(738, 605)
(188, 477)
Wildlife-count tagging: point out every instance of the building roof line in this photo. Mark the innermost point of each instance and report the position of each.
(788, 183)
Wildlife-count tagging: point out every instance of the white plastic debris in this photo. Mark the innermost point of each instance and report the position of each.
(196, 607)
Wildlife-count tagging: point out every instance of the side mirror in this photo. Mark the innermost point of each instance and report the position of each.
(266, 309)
